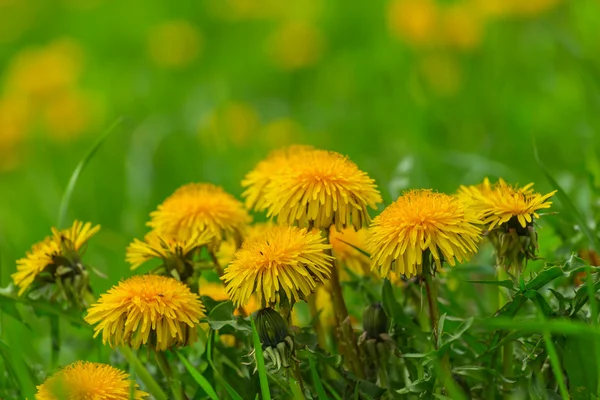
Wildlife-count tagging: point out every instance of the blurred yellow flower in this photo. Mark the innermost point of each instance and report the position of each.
(295, 45)
(256, 181)
(196, 208)
(321, 188)
(85, 380)
(461, 26)
(421, 221)
(234, 122)
(414, 21)
(14, 122)
(442, 74)
(174, 44)
(59, 250)
(342, 243)
(147, 309)
(41, 73)
(217, 292)
(281, 132)
(283, 261)
(68, 115)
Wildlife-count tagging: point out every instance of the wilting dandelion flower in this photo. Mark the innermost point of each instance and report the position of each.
(197, 208)
(422, 221)
(84, 380)
(147, 309)
(346, 244)
(321, 188)
(256, 181)
(282, 262)
(508, 212)
(57, 260)
(177, 255)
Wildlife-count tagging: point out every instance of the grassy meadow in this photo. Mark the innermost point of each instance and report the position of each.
(107, 108)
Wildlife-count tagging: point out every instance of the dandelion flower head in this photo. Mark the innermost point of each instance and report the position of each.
(283, 260)
(84, 380)
(420, 221)
(147, 309)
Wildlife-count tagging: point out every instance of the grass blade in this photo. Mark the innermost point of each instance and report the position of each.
(143, 374)
(234, 395)
(66, 198)
(19, 369)
(200, 380)
(316, 380)
(556, 366)
(260, 363)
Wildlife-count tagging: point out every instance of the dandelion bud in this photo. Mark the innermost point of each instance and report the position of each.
(375, 321)
(273, 333)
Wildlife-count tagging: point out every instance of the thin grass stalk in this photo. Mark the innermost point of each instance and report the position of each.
(164, 366)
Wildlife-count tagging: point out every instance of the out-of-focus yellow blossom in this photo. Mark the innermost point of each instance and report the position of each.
(174, 44)
(461, 26)
(235, 122)
(68, 115)
(414, 21)
(41, 73)
(295, 45)
(217, 292)
(344, 244)
(14, 118)
(281, 132)
(442, 74)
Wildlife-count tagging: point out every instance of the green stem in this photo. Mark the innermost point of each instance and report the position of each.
(507, 348)
(55, 338)
(164, 366)
(215, 261)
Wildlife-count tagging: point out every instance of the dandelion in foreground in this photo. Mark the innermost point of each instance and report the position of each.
(508, 213)
(282, 263)
(84, 380)
(256, 181)
(147, 309)
(199, 208)
(419, 223)
(57, 260)
(278, 345)
(177, 255)
(319, 189)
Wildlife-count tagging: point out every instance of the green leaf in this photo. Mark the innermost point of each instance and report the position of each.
(544, 277)
(511, 308)
(317, 380)
(200, 380)
(20, 371)
(506, 283)
(66, 198)
(231, 391)
(556, 365)
(260, 363)
(395, 311)
(540, 302)
(581, 366)
(222, 315)
(143, 374)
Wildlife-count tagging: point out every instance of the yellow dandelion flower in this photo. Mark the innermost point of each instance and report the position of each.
(421, 221)
(53, 252)
(282, 261)
(147, 309)
(197, 208)
(321, 188)
(256, 181)
(229, 247)
(85, 380)
(500, 203)
(344, 244)
(414, 21)
(164, 248)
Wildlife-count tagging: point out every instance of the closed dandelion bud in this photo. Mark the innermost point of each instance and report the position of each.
(278, 346)
(375, 321)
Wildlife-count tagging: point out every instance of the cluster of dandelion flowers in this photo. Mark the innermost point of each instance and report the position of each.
(422, 221)
(321, 188)
(164, 248)
(147, 309)
(257, 180)
(61, 250)
(200, 207)
(283, 260)
(84, 380)
(501, 203)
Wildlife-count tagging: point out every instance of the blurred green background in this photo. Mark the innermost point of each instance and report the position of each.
(418, 93)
